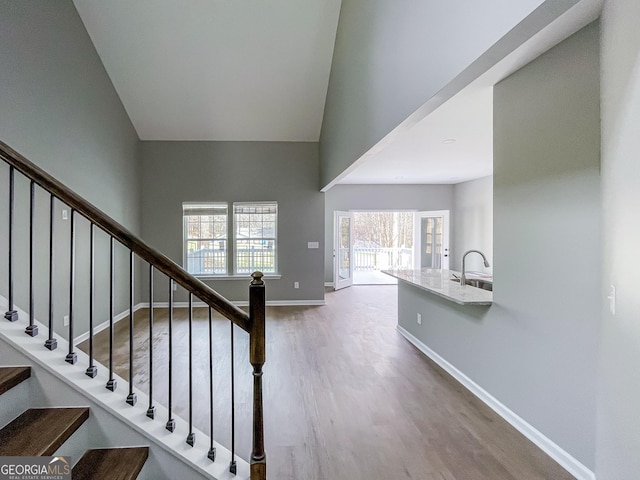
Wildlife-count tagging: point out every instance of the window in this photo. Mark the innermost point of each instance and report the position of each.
(255, 228)
(206, 241)
(205, 238)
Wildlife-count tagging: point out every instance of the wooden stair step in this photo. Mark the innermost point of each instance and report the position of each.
(12, 376)
(111, 464)
(40, 431)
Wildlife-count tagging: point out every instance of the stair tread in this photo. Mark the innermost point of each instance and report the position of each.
(12, 376)
(40, 431)
(111, 464)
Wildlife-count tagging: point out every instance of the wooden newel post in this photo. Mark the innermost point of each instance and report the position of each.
(257, 359)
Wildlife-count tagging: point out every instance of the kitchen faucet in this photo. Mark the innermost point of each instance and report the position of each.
(463, 277)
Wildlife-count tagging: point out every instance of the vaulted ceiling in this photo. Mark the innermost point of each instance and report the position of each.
(217, 69)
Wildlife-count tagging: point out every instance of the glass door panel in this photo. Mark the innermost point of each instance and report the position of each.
(433, 240)
(343, 250)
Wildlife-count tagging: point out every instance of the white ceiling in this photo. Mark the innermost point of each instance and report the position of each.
(217, 69)
(424, 154)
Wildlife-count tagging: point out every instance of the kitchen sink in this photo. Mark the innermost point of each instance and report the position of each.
(476, 282)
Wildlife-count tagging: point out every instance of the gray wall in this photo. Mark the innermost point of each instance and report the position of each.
(60, 110)
(535, 348)
(177, 172)
(379, 197)
(619, 388)
(383, 71)
(472, 223)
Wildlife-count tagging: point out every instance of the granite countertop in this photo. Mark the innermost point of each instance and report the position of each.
(438, 282)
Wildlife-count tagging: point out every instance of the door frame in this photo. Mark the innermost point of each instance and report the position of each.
(339, 283)
(446, 250)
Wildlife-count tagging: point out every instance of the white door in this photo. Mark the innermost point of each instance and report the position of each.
(343, 250)
(432, 240)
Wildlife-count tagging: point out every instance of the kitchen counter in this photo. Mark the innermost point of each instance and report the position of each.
(438, 282)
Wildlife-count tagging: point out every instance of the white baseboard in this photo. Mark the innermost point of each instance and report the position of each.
(328, 284)
(269, 303)
(289, 303)
(568, 462)
(104, 325)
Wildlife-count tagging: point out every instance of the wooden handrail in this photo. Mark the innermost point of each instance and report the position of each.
(139, 247)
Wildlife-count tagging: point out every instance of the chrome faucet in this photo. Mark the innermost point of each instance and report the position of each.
(463, 276)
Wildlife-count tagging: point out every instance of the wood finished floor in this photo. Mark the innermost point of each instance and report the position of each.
(346, 397)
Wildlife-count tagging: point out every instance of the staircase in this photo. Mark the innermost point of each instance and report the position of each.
(42, 431)
(78, 408)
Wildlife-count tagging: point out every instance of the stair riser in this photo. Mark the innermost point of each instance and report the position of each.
(14, 401)
(76, 444)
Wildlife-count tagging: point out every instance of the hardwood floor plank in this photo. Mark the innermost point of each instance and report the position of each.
(111, 464)
(40, 431)
(346, 396)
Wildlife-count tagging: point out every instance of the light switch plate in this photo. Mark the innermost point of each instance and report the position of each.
(313, 244)
(612, 299)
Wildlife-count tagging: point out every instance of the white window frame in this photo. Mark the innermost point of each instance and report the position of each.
(204, 206)
(236, 239)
